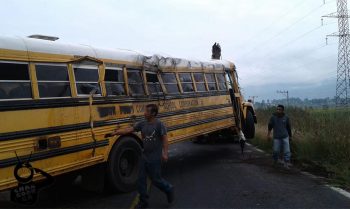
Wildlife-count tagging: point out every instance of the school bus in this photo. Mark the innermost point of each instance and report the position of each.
(58, 101)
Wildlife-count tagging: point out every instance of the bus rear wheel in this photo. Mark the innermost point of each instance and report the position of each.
(249, 126)
(123, 165)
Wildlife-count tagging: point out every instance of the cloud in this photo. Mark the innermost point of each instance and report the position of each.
(272, 42)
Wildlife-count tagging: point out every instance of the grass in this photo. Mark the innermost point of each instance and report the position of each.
(321, 140)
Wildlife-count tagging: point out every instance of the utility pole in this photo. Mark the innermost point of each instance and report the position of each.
(343, 69)
(285, 93)
(253, 98)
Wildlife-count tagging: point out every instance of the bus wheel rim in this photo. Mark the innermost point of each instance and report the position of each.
(127, 162)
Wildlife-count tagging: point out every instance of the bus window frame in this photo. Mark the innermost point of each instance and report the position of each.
(148, 83)
(53, 64)
(215, 82)
(228, 78)
(218, 83)
(201, 82)
(192, 83)
(176, 83)
(20, 81)
(141, 72)
(95, 67)
(121, 69)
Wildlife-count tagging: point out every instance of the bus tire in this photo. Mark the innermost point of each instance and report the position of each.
(123, 165)
(249, 126)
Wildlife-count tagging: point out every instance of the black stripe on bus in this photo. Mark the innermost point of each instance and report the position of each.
(54, 153)
(79, 126)
(73, 102)
(77, 148)
(198, 122)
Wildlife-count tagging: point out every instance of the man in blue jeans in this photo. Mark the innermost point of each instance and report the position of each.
(155, 151)
(282, 134)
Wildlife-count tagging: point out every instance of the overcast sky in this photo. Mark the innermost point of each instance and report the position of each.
(275, 44)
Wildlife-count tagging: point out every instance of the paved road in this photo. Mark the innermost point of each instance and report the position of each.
(210, 176)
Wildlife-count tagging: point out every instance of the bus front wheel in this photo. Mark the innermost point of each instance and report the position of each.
(123, 165)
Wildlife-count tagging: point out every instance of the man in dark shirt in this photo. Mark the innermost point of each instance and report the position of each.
(155, 150)
(282, 134)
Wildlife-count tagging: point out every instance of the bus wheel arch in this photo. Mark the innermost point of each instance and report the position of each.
(123, 164)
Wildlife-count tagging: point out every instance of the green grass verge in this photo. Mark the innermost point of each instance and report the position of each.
(321, 141)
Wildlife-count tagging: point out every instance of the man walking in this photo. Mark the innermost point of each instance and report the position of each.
(282, 134)
(155, 150)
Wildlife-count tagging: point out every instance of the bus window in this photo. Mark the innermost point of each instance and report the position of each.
(14, 81)
(153, 83)
(199, 78)
(228, 83)
(170, 83)
(221, 82)
(186, 82)
(115, 82)
(86, 80)
(53, 80)
(135, 82)
(211, 81)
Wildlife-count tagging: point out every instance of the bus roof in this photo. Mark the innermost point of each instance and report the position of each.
(60, 48)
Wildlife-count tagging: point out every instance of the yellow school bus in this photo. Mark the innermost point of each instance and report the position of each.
(58, 101)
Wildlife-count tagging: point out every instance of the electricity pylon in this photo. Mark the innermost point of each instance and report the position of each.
(343, 69)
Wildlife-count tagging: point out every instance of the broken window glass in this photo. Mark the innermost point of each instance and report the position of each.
(135, 81)
(185, 77)
(186, 82)
(211, 81)
(153, 84)
(114, 80)
(170, 83)
(86, 80)
(221, 82)
(199, 78)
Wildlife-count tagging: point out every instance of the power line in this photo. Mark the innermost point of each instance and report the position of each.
(316, 60)
(285, 45)
(305, 64)
(278, 19)
(313, 61)
(278, 50)
(296, 39)
(284, 29)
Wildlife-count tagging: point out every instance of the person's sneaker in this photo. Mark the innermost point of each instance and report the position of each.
(170, 195)
(287, 165)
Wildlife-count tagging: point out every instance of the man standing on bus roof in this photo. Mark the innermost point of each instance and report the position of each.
(155, 150)
(282, 134)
